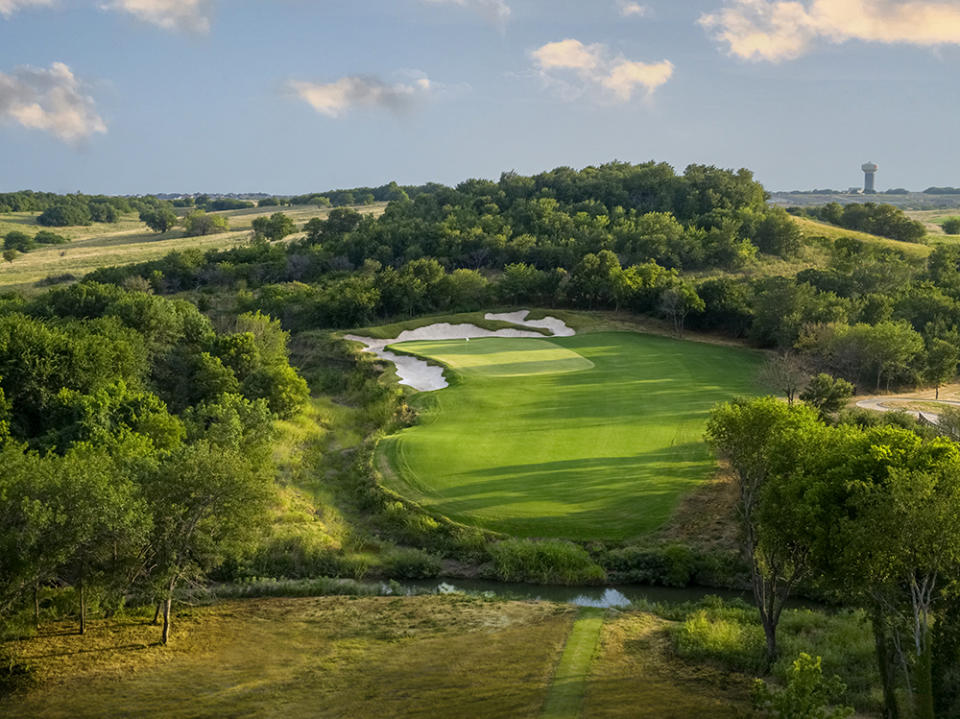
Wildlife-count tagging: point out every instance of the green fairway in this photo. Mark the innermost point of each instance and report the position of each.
(596, 436)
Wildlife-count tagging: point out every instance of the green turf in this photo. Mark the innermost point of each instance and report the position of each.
(596, 436)
(566, 692)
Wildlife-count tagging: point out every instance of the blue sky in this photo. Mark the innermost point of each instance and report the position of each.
(292, 96)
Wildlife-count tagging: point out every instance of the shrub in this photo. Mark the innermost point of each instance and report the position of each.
(807, 694)
(19, 241)
(727, 639)
(45, 237)
(65, 215)
(952, 226)
(199, 223)
(411, 564)
(552, 561)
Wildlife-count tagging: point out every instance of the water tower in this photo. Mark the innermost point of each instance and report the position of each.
(870, 174)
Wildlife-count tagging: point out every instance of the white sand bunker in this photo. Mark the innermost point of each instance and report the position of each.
(415, 372)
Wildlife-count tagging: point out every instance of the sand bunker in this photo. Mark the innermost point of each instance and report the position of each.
(415, 372)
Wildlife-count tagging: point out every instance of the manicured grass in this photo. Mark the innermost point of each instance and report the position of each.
(327, 657)
(596, 436)
(565, 697)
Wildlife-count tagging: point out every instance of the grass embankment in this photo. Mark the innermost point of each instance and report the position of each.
(126, 242)
(814, 228)
(596, 436)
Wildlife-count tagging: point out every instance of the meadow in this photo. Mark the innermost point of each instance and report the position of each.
(597, 436)
(127, 242)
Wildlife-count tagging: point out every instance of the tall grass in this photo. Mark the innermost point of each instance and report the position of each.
(551, 561)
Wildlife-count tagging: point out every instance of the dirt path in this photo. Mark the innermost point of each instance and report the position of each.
(916, 406)
(566, 692)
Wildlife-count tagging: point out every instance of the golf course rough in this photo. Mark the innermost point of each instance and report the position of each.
(596, 436)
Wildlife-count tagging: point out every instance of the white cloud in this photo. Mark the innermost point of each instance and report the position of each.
(633, 9)
(50, 100)
(568, 54)
(186, 15)
(576, 69)
(776, 30)
(336, 98)
(8, 7)
(495, 11)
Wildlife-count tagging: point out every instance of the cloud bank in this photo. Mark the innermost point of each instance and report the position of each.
(776, 30)
(182, 15)
(578, 69)
(49, 100)
(335, 99)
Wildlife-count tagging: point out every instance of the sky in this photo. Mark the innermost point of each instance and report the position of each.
(297, 96)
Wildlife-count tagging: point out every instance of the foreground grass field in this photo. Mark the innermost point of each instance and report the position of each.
(126, 242)
(596, 436)
(383, 657)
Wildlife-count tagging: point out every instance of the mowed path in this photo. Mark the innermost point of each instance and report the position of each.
(567, 691)
(596, 436)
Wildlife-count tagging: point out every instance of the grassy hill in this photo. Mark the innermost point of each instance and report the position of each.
(126, 242)
(815, 228)
(596, 436)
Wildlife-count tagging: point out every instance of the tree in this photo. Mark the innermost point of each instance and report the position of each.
(19, 241)
(827, 394)
(207, 501)
(942, 359)
(273, 228)
(159, 219)
(786, 373)
(760, 438)
(952, 226)
(677, 302)
(199, 223)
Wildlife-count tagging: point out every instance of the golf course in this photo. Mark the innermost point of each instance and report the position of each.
(596, 436)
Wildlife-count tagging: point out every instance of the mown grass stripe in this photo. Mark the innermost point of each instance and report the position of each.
(566, 692)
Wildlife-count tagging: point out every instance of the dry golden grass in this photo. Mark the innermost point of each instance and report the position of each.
(636, 675)
(326, 657)
(127, 242)
(813, 228)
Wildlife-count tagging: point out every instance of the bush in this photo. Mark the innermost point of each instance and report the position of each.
(551, 561)
(19, 241)
(65, 215)
(410, 564)
(952, 226)
(674, 565)
(45, 237)
(807, 694)
(199, 223)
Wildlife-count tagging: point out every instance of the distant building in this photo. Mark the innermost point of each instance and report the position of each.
(870, 174)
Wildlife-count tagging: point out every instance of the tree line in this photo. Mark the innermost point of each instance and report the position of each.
(135, 443)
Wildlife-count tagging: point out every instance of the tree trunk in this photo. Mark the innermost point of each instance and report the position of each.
(887, 669)
(165, 636)
(83, 608)
(36, 604)
(938, 392)
(156, 614)
(923, 681)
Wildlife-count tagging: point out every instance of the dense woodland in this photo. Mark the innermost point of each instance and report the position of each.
(136, 425)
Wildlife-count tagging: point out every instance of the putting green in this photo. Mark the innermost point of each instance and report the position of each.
(596, 436)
